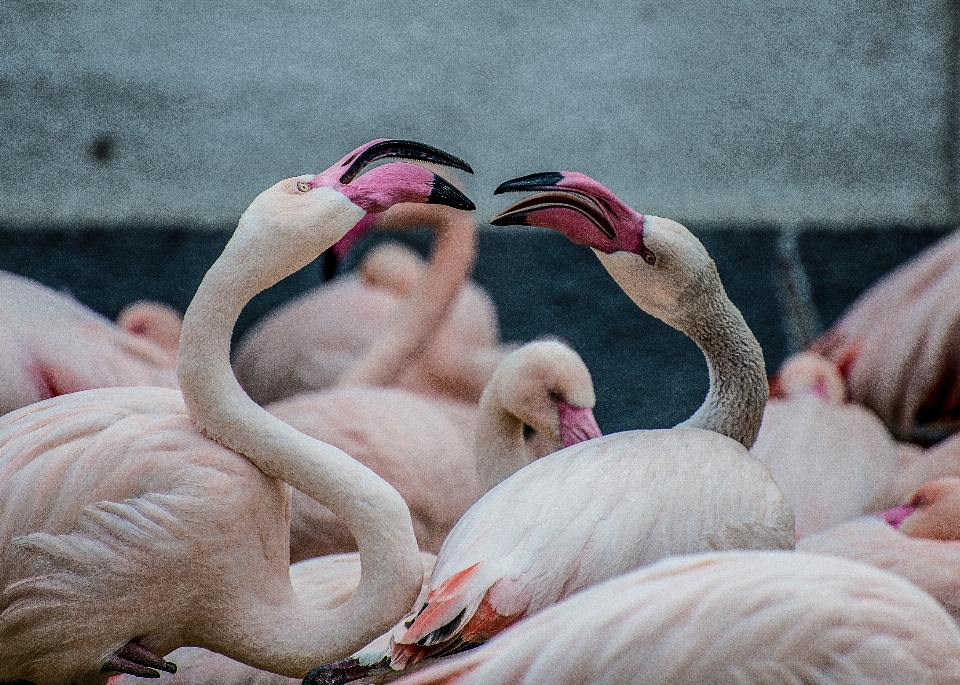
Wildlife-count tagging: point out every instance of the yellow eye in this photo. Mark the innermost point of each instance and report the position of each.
(303, 186)
(649, 257)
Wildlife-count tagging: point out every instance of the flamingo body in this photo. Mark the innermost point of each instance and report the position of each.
(739, 618)
(51, 345)
(588, 513)
(833, 460)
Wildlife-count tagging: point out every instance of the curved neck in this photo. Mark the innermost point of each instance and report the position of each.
(738, 381)
(377, 516)
(414, 324)
(500, 450)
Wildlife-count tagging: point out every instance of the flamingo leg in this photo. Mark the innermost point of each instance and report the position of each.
(137, 660)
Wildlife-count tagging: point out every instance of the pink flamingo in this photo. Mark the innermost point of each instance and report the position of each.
(898, 345)
(154, 321)
(919, 540)
(833, 460)
(441, 338)
(606, 506)
(137, 520)
(442, 456)
(751, 618)
(51, 345)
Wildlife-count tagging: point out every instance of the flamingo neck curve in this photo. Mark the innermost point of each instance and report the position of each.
(291, 638)
(415, 322)
(738, 389)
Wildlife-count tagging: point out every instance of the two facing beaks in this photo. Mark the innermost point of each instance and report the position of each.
(570, 202)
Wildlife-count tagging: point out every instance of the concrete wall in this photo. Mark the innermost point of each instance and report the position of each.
(837, 112)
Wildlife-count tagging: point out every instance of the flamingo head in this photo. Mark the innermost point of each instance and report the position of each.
(375, 197)
(657, 262)
(308, 214)
(546, 385)
(932, 512)
(577, 206)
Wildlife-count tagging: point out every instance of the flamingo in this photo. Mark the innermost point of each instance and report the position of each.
(919, 540)
(606, 506)
(329, 581)
(750, 618)
(154, 321)
(50, 345)
(441, 456)
(897, 345)
(440, 339)
(137, 520)
(833, 460)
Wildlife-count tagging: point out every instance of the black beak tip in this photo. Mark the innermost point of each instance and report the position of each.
(443, 193)
(542, 181)
(402, 149)
(509, 219)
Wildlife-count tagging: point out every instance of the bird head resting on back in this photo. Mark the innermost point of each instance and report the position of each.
(668, 273)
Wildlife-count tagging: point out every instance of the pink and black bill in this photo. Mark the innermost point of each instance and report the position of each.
(442, 191)
(577, 206)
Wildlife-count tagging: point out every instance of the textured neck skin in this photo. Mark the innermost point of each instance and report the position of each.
(738, 383)
(414, 323)
(285, 635)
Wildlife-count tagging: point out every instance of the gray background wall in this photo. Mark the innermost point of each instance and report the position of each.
(838, 112)
(128, 124)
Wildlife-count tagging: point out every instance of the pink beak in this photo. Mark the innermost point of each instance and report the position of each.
(897, 515)
(577, 424)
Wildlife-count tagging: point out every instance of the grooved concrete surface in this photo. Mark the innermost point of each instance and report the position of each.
(139, 111)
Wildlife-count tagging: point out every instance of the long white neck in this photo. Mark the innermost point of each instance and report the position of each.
(413, 325)
(291, 639)
(738, 382)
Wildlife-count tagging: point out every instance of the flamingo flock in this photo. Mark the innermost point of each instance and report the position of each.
(373, 487)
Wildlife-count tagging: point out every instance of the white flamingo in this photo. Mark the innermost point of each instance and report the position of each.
(606, 506)
(134, 521)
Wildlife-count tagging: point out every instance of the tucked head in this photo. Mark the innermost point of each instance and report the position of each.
(547, 386)
(932, 512)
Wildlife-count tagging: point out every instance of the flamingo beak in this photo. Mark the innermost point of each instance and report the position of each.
(577, 424)
(526, 212)
(896, 516)
(365, 155)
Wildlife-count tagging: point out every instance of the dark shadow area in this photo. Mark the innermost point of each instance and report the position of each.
(646, 374)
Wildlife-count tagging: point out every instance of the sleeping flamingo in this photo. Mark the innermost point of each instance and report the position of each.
(51, 345)
(137, 520)
(442, 456)
(750, 618)
(833, 460)
(898, 345)
(606, 506)
(154, 321)
(919, 540)
(442, 338)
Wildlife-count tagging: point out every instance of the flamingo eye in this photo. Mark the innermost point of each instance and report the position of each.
(648, 257)
(303, 186)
